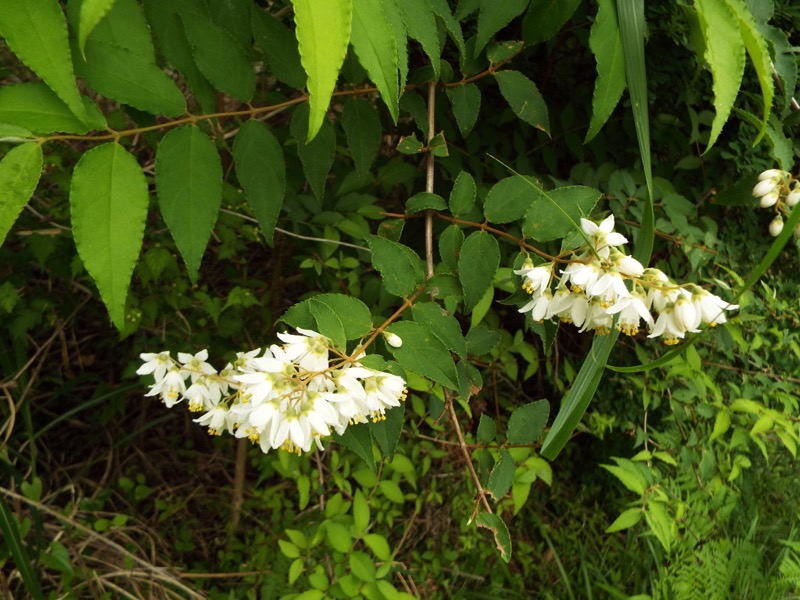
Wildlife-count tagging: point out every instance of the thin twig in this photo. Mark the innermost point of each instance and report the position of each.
(468, 459)
(429, 179)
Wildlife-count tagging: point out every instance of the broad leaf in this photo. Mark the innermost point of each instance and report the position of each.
(353, 314)
(524, 99)
(626, 520)
(554, 214)
(280, 48)
(510, 198)
(424, 354)
(400, 267)
(425, 201)
(261, 170)
(124, 25)
(219, 57)
(328, 323)
(316, 154)
(391, 12)
(487, 429)
(37, 33)
(92, 12)
(108, 203)
(420, 23)
(444, 326)
(528, 422)
(358, 439)
(462, 196)
(477, 263)
(450, 242)
(189, 186)
(500, 531)
(36, 107)
(375, 46)
(606, 45)
(494, 16)
(466, 103)
(323, 33)
(451, 24)
(725, 51)
(387, 432)
(545, 18)
(20, 170)
(502, 475)
(362, 126)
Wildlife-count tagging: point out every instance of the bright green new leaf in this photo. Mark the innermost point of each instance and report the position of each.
(554, 214)
(510, 198)
(494, 16)
(661, 524)
(92, 12)
(629, 477)
(500, 531)
(362, 126)
(360, 513)
(37, 33)
(395, 19)
(524, 99)
(328, 323)
(463, 194)
(124, 25)
(108, 204)
(626, 520)
(14, 133)
(375, 46)
(219, 57)
(280, 48)
(189, 186)
(261, 171)
(606, 45)
(129, 78)
(725, 50)
(444, 326)
(323, 33)
(545, 18)
(400, 267)
(20, 170)
(420, 23)
(424, 354)
(466, 103)
(378, 545)
(528, 422)
(477, 263)
(316, 154)
(362, 566)
(502, 475)
(352, 312)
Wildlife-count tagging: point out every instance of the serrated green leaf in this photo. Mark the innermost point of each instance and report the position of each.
(234, 17)
(92, 12)
(482, 340)
(552, 215)
(629, 477)
(123, 25)
(626, 520)
(487, 429)
(374, 44)
(463, 194)
(128, 78)
(465, 101)
(352, 312)
(528, 422)
(379, 546)
(280, 48)
(725, 52)
(545, 18)
(425, 201)
(420, 24)
(409, 145)
(660, 524)
(438, 145)
(401, 269)
(451, 24)
(395, 19)
(424, 354)
(387, 431)
(502, 475)
(20, 170)
(362, 566)
(524, 99)
(188, 174)
(37, 33)
(606, 44)
(219, 57)
(316, 154)
(722, 423)
(323, 33)
(328, 323)
(450, 242)
(261, 171)
(362, 126)
(108, 204)
(358, 439)
(494, 16)
(498, 528)
(444, 326)
(477, 263)
(510, 198)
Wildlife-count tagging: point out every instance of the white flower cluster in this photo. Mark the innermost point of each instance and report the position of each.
(592, 289)
(286, 397)
(778, 189)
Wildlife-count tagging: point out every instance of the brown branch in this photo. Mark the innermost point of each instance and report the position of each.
(463, 445)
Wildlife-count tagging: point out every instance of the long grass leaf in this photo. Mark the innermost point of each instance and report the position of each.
(13, 541)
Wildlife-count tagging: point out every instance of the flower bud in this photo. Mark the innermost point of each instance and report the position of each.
(772, 174)
(794, 196)
(765, 187)
(395, 341)
(776, 226)
(769, 199)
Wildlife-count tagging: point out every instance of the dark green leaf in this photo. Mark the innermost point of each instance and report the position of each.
(20, 170)
(123, 26)
(502, 475)
(438, 145)
(545, 18)
(409, 145)
(606, 45)
(453, 27)
(444, 326)
(528, 422)
(443, 285)
(494, 16)
(524, 99)
(316, 155)
(466, 103)
(261, 171)
(498, 528)
(510, 198)
(362, 126)
(401, 269)
(387, 432)
(482, 340)
(477, 263)
(12, 540)
(424, 354)
(554, 214)
(35, 106)
(357, 438)
(352, 312)
(420, 23)
(487, 429)
(280, 48)
(462, 196)
(424, 201)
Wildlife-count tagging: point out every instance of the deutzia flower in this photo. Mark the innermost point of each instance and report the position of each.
(195, 365)
(216, 420)
(603, 235)
(776, 226)
(170, 388)
(632, 310)
(535, 279)
(157, 364)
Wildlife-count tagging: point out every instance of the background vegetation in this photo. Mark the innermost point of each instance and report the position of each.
(106, 493)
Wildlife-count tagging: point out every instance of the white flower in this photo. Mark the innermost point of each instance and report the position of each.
(608, 288)
(195, 365)
(538, 305)
(770, 199)
(394, 340)
(216, 420)
(202, 396)
(157, 364)
(581, 275)
(666, 326)
(628, 266)
(597, 318)
(776, 226)
(535, 279)
(603, 235)
(793, 197)
(169, 388)
(709, 308)
(309, 350)
(765, 186)
(773, 174)
(632, 309)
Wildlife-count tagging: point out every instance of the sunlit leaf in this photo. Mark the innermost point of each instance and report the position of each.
(20, 170)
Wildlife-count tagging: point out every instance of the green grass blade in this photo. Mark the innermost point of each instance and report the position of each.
(13, 541)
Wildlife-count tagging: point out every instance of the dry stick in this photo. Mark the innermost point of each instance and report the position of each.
(463, 445)
(237, 496)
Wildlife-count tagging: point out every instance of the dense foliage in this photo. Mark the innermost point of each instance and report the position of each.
(387, 199)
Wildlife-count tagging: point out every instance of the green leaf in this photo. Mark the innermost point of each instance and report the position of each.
(92, 12)
(438, 145)
(357, 438)
(360, 513)
(401, 269)
(420, 24)
(219, 57)
(379, 546)
(124, 25)
(498, 528)
(477, 263)
(626, 520)
(362, 566)
(424, 354)
(510, 198)
(757, 48)
(660, 523)
(374, 44)
(409, 145)
(188, 174)
(261, 171)
(37, 33)
(129, 78)
(108, 203)
(328, 323)
(481, 340)
(362, 126)
(451, 24)
(494, 16)
(444, 326)
(316, 154)
(524, 99)
(466, 103)
(554, 214)
(606, 44)
(12, 541)
(425, 201)
(352, 312)
(450, 242)
(629, 476)
(463, 194)
(323, 33)
(725, 51)
(20, 170)
(487, 429)
(502, 475)
(280, 48)
(391, 12)
(545, 18)
(528, 422)
(15, 134)
(722, 423)
(387, 431)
